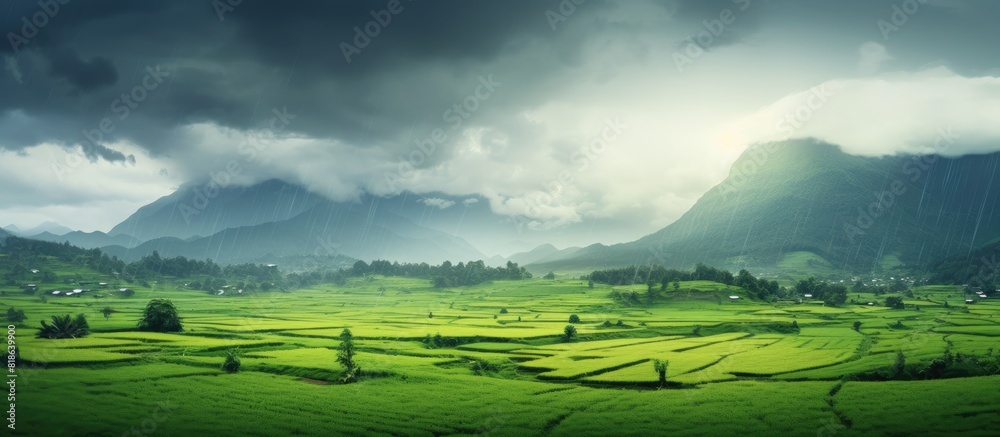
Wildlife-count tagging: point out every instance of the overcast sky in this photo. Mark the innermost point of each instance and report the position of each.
(628, 110)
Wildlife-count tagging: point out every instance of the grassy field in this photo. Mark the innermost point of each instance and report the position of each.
(734, 367)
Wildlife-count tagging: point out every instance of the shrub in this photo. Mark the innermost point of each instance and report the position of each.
(503, 367)
(15, 316)
(232, 363)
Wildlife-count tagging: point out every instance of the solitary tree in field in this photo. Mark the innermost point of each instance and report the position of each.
(345, 356)
(550, 275)
(65, 327)
(573, 318)
(590, 284)
(107, 312)
(651, 292)
(857, 326)
(900, 365)
(232, 363)
(15, 316)
(895, 302)
(160, 316)
(569, 332)
(661, 368)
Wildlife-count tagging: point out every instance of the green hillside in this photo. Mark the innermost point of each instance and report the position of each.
(806, 197)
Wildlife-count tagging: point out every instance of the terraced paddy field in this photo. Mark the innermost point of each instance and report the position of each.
(502, 366)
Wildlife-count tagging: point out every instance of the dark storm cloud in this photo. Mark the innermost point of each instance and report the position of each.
(267, 54)
(184, 81)
(107, 154)
(959, 34)
(262, 55)
(718, 22)
(84, 75)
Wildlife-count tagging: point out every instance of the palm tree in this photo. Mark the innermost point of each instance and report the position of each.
(65, 327)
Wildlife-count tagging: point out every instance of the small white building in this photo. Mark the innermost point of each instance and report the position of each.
(35, 271)
(56, 292)
(807, 296)
(734, 298)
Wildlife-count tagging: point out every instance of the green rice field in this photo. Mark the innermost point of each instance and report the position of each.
(744, 372)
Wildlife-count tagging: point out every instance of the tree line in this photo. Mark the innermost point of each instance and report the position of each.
(655, 274)
(444, 275)
(760, 288)
(22, 254)
(642, 274)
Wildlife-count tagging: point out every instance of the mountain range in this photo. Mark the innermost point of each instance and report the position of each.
(796, 201)
(46, 227)
(847, 212)
(277, 219)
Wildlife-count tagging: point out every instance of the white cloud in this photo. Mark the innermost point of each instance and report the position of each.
(891, 114)
(871, 56)
(437, 202)
(47, 182)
